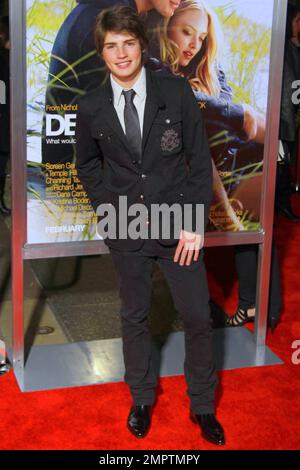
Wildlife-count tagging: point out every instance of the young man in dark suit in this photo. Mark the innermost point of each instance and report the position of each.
(141, 135)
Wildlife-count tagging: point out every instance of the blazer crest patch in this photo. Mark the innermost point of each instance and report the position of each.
(170, 140)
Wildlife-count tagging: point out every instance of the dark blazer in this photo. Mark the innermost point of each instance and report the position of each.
(180, 172)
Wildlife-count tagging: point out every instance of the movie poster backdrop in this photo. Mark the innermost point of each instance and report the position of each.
(227, 66)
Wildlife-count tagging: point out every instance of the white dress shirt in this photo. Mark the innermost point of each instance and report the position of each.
(139, 99)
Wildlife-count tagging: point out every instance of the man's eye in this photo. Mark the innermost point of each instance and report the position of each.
(131, 43)
(186, 32)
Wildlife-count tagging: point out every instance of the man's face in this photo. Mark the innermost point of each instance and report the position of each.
(122, 54)
(165, 8)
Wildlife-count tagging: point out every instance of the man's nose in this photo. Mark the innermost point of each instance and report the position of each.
(121, 51)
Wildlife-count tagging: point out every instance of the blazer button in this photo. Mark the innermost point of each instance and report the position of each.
(168, 121)
(142, 196)
(144, 176)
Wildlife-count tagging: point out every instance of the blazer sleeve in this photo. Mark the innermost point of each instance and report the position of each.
(199, 182)
(89, 159)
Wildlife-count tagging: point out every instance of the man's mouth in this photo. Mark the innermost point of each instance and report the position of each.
(123, 65)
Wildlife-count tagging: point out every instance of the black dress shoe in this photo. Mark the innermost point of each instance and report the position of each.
(212, 430)
(139, 420)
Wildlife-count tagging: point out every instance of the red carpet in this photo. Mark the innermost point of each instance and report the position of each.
(259, 407)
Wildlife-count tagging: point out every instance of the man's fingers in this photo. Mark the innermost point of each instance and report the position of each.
(178, 251)
(189, 257)
(196, 254)
(183, 256)
(187, 250)
(187, 253)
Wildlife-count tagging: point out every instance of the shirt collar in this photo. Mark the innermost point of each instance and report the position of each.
(139, 87)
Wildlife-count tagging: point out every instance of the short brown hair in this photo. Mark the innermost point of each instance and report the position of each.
(119, 19)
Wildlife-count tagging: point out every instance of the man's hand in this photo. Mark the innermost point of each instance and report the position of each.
(250, 122)
(261, 129)
(188, 248)
(254, 124)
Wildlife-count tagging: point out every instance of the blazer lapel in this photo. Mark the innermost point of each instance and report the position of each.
(153, 103)
(110, 114)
